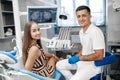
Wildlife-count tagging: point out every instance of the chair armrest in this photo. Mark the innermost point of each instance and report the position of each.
(33, 74)
(8, 57)
(38, 77)
(108, 59)
(57, 75)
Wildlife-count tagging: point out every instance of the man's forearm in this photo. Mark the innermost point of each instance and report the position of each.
(90, 57)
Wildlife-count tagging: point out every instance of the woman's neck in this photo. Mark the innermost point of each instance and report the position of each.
(33, 42)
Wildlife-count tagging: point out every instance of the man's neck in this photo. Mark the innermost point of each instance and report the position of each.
(85, 28)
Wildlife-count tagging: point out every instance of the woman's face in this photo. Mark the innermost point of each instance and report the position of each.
(35, 31)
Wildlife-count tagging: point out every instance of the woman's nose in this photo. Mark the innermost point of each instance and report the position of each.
(38, 32)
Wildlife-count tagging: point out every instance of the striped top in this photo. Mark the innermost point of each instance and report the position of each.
(40, 66)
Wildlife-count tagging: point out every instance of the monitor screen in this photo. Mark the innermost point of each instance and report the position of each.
(43, 15)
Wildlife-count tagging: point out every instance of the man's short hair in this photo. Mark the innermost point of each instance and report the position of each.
(82, 8)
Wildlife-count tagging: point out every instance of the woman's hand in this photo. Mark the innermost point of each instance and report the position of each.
(50, 55)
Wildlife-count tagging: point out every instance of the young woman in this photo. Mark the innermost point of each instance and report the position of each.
(34, 58)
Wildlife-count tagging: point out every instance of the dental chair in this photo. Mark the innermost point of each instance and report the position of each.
(9, 58)
(108, 59)
(14, 73)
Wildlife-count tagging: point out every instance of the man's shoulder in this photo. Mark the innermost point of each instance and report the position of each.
(95, 28)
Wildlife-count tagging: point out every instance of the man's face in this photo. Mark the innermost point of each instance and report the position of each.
(83, 18)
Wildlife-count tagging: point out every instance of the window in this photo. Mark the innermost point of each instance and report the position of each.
(97, 10)
(80, 2)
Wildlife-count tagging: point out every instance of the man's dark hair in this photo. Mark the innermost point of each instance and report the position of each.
(82, 8)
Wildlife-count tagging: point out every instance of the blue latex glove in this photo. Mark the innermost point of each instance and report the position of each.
(74, 59)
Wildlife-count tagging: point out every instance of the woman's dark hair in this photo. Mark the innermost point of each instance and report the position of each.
(82, 8)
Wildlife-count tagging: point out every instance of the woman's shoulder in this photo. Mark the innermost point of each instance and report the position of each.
(34, 46)
(34, 49)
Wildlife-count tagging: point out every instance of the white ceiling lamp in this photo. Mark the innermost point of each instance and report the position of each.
(63, 14)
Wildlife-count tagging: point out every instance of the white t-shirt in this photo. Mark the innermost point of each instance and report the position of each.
(91, 40)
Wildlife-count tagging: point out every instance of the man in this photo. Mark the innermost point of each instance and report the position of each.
(93, 48)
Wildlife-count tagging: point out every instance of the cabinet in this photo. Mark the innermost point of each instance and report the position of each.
(114, 68)
(7, 28)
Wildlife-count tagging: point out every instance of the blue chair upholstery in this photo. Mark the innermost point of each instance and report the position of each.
(9, 57)
(38, 77)
(108, 59)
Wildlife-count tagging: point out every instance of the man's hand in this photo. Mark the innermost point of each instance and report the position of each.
(74, 59)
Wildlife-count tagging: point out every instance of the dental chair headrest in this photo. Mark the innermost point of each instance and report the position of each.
(8, 56)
